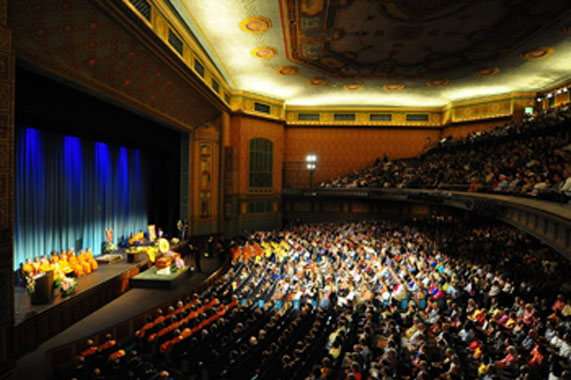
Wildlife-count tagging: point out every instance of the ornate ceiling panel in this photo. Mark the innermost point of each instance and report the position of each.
(424, 53)
(409, 39)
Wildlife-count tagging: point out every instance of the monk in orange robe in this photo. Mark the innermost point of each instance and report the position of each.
(54, 257)
(82, 260)
(91, 260)
(36, 265)
(44, 264)
(64, 264)
(28, 269)
(74, 264)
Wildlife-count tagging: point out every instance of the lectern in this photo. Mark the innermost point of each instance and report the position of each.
(44, 292)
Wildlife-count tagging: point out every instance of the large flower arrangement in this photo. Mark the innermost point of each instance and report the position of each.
(177, 263)
(109, 247)
(66, 285)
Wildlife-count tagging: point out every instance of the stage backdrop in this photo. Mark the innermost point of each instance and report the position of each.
(70, 190)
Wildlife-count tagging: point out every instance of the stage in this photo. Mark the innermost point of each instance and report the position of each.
(24, 310)
(119, 316)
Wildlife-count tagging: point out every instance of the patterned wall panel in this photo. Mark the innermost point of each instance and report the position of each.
(251, 128)
(78, 41)
(205, 178)
(482, 111)
(342, 150)
(462, 130)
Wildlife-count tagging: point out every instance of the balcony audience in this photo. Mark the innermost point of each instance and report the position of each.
(530, 157)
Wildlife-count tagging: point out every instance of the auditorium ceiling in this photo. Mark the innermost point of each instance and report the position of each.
(384, 52)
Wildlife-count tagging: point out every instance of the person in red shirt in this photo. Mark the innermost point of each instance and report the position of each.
(509, 361)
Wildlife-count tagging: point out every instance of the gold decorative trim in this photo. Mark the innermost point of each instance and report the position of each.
(287, 70)
(486, 72)
(438, 82)
(538, 53)
(354, 86)
(264, 52)
(393, 86)
(257, 24)
(317, 81)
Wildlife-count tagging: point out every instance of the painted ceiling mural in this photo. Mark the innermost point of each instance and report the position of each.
(409, 39)
(384, 52)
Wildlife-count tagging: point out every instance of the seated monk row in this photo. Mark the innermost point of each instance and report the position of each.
(66, 262)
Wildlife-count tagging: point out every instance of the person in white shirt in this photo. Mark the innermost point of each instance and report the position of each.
(566, 183)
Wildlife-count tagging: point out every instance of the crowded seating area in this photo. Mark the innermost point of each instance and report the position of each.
(428, 299)
(529, 157)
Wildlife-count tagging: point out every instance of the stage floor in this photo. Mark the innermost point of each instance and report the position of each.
(128, 305)
(23, 308)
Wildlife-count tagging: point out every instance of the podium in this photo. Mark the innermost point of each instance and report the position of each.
(44, 292)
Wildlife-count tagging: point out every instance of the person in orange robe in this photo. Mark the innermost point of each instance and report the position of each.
(91, 260)
(54, 257)
(64, 264)
(44, 264)
(28, 269)
(54, 266)
(82, 260)
(74, 264)
(36, 265)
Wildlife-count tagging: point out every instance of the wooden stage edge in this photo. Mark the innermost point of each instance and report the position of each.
(34, 324)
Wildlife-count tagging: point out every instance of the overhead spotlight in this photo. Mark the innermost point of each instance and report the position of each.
(565, 89)
(559, 91)
(539, 99)
(550, 95)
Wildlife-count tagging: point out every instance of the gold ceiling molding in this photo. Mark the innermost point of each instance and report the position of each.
(537, 53)
(354, 86)
(393, 86)
(438, 82)
(162, 13)
(302, 89)
(257, 24)
(264, 52)
(317, 81)
(287, 70)
(486, 72)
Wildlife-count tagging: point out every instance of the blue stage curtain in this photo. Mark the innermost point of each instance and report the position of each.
(70, 190)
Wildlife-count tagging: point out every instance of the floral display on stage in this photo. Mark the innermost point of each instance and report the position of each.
(165, 260)
(66, 285)
(30, 284)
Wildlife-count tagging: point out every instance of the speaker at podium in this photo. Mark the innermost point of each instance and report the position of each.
(44, 292)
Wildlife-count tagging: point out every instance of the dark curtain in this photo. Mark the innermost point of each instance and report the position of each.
(70, 190)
